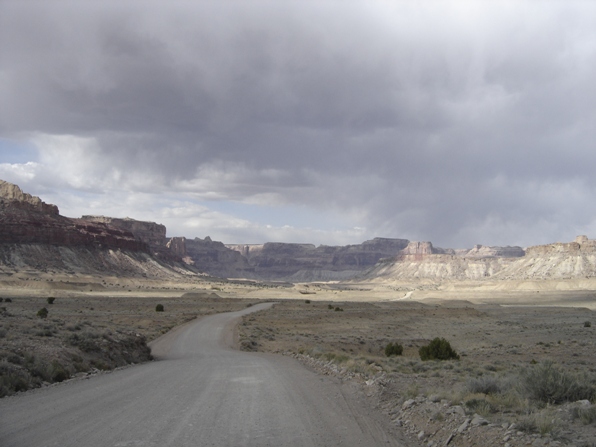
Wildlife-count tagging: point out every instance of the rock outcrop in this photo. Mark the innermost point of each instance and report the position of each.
(307, 262)
(177, 246)
(19, 199)
(483, 251)
(553, 261)
(25, 219)
(150, 233)
(216, 259)
(33, 235)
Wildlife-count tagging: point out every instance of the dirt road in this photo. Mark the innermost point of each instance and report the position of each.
(201, 393)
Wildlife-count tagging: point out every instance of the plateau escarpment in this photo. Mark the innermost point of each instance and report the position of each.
(33, 235)
(215, 258)
(307, 262)
(553, 261)
(25, 219)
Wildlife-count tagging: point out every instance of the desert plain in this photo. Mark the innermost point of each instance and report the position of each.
(502, 337)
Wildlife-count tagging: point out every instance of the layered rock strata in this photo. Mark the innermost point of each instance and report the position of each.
(25, 219)
(307, 262)
(552, 261)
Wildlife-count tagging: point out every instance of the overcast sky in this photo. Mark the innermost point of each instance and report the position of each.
(457, 122)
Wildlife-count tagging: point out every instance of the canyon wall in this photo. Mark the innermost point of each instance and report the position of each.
(552, 261)
(33, 235)
(29, 228)
(25, 219)
(307, 262)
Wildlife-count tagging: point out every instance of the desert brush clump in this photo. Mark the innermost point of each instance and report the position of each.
(394, 349)
(438, 349)
(42, 313)
(551, 384)
(159, 308)
(587, 415)
(543, 422)
(484, 385)
(51, 300)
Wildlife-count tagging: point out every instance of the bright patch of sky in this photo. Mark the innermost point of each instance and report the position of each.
(16, 152)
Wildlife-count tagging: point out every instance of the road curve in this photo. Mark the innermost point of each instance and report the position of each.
(199, 393)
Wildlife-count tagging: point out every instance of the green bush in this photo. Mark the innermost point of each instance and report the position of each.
(159, 308)
(338, 309)
(51, 300)
(438, 349)
(42, 313)
(551, 384)
(393, 349)
(587, 324)
(307, 301)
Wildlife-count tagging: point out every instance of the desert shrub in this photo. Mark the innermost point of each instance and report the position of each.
(543, 423)
(338, 309)
(42, 313)
(551, 384)
(484, 385)
(85, 341)
(587, 415)
(7, 300)
(438, 349)
(480, 406)
(587, 324)
(58, 373)
(307, 301)
(526, 424)
(51, 300)
(329, 306)
(394, 349)
(1, 299)
(12, 379)
(418, 367)
(159, 308)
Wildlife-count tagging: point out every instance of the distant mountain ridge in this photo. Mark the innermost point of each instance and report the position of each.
(34, 235)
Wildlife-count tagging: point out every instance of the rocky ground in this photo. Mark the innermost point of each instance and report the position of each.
(484, 398)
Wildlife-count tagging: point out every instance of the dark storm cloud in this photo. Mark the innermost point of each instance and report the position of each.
(425, 121)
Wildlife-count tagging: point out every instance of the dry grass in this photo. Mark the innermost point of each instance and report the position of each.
(515, 362)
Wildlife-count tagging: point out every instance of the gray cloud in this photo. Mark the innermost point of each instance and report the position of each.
(448, 121)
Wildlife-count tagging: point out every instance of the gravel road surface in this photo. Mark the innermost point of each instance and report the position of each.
(200, 392)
